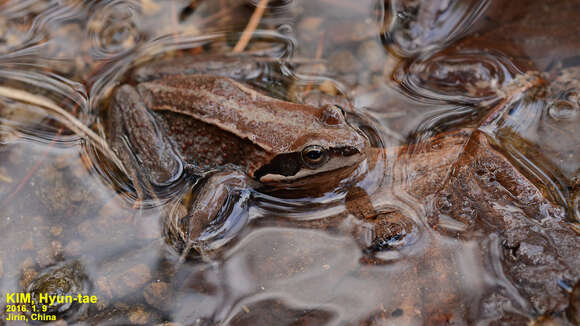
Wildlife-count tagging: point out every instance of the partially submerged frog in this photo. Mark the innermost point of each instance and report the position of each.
(186, 116)
(470, 184)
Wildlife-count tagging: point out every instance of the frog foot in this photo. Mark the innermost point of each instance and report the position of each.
(214, 216)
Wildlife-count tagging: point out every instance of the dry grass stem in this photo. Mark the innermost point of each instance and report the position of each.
(251, 27)
(68, 119)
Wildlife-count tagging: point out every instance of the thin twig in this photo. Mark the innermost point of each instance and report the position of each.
(251, 27)
(73, 123)
(221, 14)
(319, 48)
(5, 178)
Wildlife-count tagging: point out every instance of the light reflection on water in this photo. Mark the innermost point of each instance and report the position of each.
(454, 234)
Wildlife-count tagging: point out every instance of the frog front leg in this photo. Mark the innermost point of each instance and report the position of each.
(215, 215)
(146, 152)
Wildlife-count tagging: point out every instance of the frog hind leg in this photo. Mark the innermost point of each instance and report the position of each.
(147, 154)
(215, 215)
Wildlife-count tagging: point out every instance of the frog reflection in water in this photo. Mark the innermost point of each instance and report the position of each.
(188, 117)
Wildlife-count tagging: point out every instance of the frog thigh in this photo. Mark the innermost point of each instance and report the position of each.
(136, 138)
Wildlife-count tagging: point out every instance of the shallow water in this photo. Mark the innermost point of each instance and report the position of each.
(466, 210)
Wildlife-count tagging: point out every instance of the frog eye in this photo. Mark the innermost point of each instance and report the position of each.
(314, 156)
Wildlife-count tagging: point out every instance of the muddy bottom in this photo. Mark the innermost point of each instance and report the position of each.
(464, 208)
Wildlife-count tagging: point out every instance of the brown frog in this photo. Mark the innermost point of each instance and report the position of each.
(189, 116)
(470, 184)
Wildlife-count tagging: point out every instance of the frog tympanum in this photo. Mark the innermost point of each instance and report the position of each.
(187, 116)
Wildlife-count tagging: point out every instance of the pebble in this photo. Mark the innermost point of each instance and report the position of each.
(120, 283)
(158, 294)
(139, 316)
(344, 62)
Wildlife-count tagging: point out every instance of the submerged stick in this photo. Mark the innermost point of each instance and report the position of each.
(251, 27)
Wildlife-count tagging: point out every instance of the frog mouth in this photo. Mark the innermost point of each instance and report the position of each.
(290, 167)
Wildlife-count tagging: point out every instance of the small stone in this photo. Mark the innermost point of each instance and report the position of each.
(113, 208)
(4, 177)
(45, 257)
(27, 244)
(310, 23)
(118, 284)
(73, 248)
(149, 7)
(137, 276)
(139, 316)
(27, 263)
(347, 33)
(28, 275)
(328, 87)
(61, 193)
(86, 229)
(77, 197)
(372, 54)
(56, 247)
(344, 62)
(107, 229)
(56, 230)
(157, 294)
(62, 161)
(309, 28)
(63, 279)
